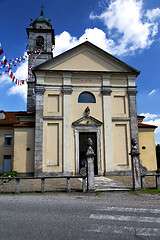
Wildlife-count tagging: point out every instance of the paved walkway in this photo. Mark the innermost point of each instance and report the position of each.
(107, 184)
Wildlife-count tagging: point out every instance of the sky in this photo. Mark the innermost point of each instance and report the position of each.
(127, 29)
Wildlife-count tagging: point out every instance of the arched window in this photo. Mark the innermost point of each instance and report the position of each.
(40, 41)
(86, 97)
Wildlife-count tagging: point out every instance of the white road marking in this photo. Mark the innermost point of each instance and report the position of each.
(136, 231)
(125, 218)
(134, 210)
(149, 232)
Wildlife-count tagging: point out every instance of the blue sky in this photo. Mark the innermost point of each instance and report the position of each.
(128, 29)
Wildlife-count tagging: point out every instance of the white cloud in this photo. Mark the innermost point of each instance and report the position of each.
(152, 119)
(21, 73)
(5, 79)
(149, 116)
(65, 41)
(19, 90)
(153, 91)
(129, 25)
(155, 122)
(153, 14)
(101, 40)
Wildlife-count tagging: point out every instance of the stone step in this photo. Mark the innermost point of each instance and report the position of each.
(107, 184)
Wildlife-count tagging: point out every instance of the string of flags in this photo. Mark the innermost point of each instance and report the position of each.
(3, 58)
(29, 72)
(4, 63)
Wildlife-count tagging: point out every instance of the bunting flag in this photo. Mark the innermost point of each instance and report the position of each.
(29, 72)
(3, 60)
(14, 62)
(19, 59)
(1, 49)
(21, 82)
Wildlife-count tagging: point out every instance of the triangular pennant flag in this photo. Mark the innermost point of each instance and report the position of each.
(11, 75)
(1, 51)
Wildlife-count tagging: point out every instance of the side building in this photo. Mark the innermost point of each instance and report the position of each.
(17, 142)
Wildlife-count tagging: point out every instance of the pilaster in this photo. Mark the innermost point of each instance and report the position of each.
(107, 124)
(31, 95)
(67, 90)
(131, 81)
(133, 113)
(38, 164)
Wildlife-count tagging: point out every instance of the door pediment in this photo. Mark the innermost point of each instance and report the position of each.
(87, 121)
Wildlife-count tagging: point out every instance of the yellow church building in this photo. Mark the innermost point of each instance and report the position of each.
(84, 92)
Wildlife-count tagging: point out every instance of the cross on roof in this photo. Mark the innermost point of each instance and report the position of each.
(42, 7)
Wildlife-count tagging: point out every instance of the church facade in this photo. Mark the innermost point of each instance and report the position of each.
(84, 92)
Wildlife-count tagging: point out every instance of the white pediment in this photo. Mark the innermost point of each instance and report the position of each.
(86, 57)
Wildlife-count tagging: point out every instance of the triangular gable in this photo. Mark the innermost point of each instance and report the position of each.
(87, 121)
(86, 57)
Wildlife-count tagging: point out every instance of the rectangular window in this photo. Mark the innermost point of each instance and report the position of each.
(8, 140)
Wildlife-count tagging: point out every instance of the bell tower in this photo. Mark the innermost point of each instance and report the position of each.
(41, 37)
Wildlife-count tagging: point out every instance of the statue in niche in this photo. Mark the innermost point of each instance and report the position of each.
(87, 112)
(89, 142)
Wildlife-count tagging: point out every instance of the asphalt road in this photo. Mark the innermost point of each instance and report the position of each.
(114, 215)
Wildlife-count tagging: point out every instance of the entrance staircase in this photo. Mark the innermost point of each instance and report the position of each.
(107, 184)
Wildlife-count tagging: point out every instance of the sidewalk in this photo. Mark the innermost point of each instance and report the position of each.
(34, 185)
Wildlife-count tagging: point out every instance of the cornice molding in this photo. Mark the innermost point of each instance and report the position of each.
(132, 90)
(67, 89)
(40, 89)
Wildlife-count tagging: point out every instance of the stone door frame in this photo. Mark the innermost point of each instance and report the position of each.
(95, 129)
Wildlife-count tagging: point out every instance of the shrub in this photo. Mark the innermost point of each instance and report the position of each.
(11, 174)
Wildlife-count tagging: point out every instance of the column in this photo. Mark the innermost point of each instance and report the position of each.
(107, 124)
(133, 113)
(136, 176)
(67, 156)
(90, 166)
(134, 127)
(38, 162)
